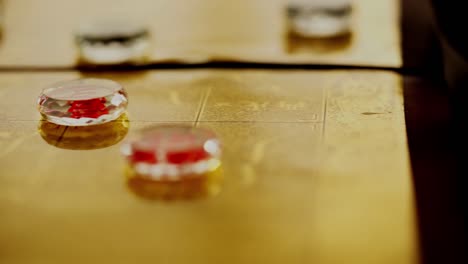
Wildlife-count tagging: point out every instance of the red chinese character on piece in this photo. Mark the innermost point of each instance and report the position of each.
(144, 156)
(186, 149)
(187, 156)
(92, 108)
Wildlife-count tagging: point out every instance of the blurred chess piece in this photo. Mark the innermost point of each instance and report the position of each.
(113, 42)
(319, 18)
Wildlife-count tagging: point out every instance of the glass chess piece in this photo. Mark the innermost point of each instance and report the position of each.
(83, 102)
(113, 42)
(172, 152)
(319, 18)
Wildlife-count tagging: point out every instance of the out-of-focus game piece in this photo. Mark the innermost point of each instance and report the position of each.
(113, 42)
(173, 152)
(319, 18)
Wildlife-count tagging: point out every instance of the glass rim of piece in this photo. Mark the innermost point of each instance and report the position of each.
(59, 91)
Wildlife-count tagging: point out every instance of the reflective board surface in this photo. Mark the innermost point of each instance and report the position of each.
(315, 170)
(42, 34)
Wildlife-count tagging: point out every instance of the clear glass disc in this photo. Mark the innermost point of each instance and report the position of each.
(83, 102)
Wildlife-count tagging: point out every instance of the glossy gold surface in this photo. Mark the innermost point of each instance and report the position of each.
(315, 170)
(41, 33)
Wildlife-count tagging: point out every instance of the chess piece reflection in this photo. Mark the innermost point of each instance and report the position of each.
(190, 187)
(84, 137)
(297, 44)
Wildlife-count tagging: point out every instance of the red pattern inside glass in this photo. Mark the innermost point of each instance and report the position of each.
(176, 145)
(92, 108)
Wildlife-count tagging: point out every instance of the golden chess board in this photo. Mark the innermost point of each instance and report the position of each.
(315, 170)
(315, 165)
(40, 34)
